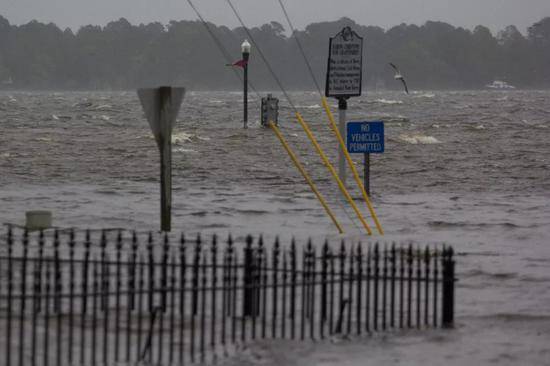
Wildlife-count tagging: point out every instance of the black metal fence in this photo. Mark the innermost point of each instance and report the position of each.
(70, 298)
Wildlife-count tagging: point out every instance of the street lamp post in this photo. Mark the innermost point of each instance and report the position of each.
(245, 48)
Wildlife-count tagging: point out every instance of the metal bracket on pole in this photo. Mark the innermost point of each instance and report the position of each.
(161, 106)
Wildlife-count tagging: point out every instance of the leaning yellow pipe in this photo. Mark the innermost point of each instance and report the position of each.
(332, 171)
(352, 166)
(305, 175)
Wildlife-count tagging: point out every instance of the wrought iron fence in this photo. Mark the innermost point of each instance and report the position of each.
(71, 298)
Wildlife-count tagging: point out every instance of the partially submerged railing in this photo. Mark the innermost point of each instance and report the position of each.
(75, 298)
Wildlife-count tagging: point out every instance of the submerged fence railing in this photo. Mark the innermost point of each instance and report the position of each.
(69, 298)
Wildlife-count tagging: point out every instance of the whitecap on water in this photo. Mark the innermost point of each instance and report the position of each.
(426, 95)
(183, 150)
(312, 106)
(5, 155)
(390, 117)
(180, 137)
(43, 139)
(388, 101)
(416, 139)
(104, 107)
(60, 117)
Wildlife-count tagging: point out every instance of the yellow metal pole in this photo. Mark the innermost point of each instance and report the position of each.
(305, 175)
(332, 171)
(352, 166)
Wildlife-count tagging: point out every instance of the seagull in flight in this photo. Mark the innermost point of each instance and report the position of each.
(398, 76)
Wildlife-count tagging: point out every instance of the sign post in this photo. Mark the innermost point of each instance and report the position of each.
(365, 138)
(161, 106)
(344, 78)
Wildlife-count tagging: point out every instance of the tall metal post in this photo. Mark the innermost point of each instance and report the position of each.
(245, 48)
(448, 295)
(165, 102)
(161, 106)
(342, 107)
(366, 168)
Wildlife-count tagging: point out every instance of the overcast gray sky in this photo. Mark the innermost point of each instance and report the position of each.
(496, 14)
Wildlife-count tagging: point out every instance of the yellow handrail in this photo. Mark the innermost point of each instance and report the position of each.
(305, 175)
(352, 166)
(332, 171)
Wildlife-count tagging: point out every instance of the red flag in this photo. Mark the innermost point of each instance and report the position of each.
(240, 63)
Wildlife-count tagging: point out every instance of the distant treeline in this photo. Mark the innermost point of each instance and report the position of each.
(124, 56)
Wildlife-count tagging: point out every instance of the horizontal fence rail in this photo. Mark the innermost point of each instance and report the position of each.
(117, 298)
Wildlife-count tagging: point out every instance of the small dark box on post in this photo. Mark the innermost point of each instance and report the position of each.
(270, 110)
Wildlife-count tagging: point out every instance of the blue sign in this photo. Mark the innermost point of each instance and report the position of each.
(365, 137)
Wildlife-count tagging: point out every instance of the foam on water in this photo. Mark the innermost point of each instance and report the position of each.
(310, 106)
(388, 101)
(416, 138)
(425, 95)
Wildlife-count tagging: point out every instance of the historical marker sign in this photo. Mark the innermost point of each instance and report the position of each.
(345, 65)
(365, 137)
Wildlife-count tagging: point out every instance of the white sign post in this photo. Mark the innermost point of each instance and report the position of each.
(344, 79)
(161, 106)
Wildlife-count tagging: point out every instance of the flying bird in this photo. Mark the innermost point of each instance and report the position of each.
(398, 76)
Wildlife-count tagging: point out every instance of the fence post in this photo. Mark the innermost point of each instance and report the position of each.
(10, 290)
(448, 270)
(248, 276)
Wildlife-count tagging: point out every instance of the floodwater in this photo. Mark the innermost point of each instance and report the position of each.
(466, 168)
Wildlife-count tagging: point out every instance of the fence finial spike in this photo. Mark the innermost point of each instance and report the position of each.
(214, 242)
(427, 254)
(229, 241)
(103, 238)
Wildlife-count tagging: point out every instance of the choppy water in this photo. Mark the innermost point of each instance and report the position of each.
(470, 169)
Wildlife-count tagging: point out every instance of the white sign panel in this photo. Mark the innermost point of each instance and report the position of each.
(345, 65)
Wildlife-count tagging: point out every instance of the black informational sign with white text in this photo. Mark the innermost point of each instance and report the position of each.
(345, 65)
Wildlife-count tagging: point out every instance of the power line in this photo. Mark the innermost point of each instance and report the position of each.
(221, 47)
(300, 47)
(262, 55)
